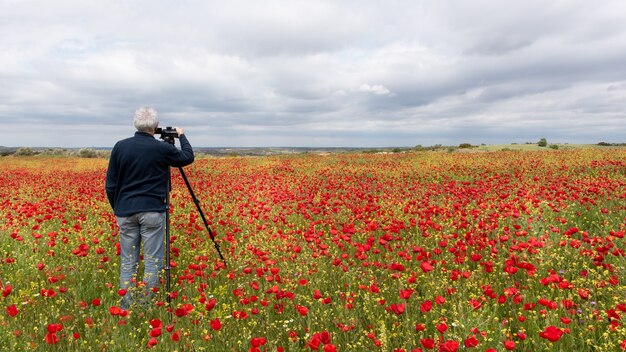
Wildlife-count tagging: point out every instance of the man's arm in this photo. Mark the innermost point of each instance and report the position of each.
(111, 180)
(185, 155)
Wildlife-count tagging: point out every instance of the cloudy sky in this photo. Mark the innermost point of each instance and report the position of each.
(321, 73)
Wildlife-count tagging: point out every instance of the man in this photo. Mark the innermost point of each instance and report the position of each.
(137, 185)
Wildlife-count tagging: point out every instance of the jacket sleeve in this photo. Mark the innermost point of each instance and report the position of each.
(111, 180)
(184, 156)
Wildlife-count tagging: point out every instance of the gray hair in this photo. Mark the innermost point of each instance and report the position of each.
(146, 119)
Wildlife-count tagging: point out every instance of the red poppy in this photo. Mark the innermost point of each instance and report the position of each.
(152, 342)
(51, 338)
(302, 310)
(583, 293)
(551, 333)
(475, 303)
(314, 344)
(324, 336)
(397, 308)
(428, 343)
(52, 328)
(612, 314)
(115, 310)
(210, 304)
(155, 332)
(406, 294)
(12, 310)
(567, 304)
(7, 290)
(181, 312)
(426, 267)
(216, 324)
(48, 293)
(449, 346)
(330, 348)
(320, 338)
(258, 341)
(240, 314)
(471, 341)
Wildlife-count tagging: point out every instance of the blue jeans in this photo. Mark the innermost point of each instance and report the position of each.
(147, 228)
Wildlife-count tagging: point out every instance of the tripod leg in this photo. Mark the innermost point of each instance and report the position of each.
(167, 266)
(206, 224)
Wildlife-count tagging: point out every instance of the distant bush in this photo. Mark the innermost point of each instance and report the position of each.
(605, 144)
(554, 146)
(55, 152)
(465, 145)
(87, 153)
(542, 142)
(433, 148)
(24, 151)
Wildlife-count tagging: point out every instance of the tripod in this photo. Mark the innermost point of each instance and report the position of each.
(167, 229)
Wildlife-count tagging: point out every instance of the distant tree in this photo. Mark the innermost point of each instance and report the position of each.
(465, 145)
(4, 151)
(542, 142)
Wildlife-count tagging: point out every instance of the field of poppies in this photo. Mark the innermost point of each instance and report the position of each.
(424, 251)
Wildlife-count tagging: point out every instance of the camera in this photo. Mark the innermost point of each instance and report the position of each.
(167, 134)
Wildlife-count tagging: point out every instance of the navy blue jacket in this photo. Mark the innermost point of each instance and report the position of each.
(138, 173)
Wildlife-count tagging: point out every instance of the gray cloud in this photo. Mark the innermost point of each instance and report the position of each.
(323, 73)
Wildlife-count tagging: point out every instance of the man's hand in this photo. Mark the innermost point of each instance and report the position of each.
(179, 130)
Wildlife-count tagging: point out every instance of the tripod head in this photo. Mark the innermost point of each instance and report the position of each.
(167, 134)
